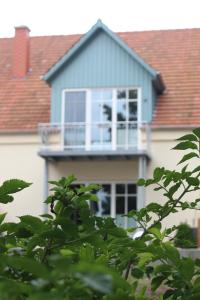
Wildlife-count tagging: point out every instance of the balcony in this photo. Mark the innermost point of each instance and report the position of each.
(110, 140)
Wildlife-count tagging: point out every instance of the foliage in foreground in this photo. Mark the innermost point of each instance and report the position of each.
(72, 254)
(184, 237)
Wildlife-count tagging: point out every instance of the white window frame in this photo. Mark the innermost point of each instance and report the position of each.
(114, 116)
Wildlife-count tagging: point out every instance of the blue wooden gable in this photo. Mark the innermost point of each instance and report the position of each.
(99, 60)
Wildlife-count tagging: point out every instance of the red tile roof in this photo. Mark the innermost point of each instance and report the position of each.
(174, 53)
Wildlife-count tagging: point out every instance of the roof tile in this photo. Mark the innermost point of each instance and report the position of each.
(174, 53)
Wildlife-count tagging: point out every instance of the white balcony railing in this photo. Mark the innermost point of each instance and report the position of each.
(94, 137)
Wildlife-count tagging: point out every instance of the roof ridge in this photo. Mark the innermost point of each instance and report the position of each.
(57, 35)
(116, 32)
(158, 30)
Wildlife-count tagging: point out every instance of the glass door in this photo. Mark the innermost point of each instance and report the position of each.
(74, 119)
(101, 118)
(127, 118)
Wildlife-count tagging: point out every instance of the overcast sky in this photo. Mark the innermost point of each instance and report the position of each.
(50, 17)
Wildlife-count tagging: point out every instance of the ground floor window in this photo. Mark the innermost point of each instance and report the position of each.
(116, 199)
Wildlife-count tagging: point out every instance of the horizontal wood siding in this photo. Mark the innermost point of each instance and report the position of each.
(102, 63)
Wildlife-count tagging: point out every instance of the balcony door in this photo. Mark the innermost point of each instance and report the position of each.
(100, 119)
(74, 119)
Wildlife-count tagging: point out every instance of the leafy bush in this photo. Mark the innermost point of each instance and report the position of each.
(184, 237)
(71, 254)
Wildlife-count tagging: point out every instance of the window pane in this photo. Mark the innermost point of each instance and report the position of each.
(121, 94)
(121, 134)
(120, 188)
(121, 110)
(96, 111)
(96, 95)
(106, 188)
(107, 95)
(104, 200)
(95, 135)
(131, 188)
(132, 107)
(101, 94)
(107, 134)
(120, 205)
(132, 94)
(120, 221)
(74, 135)
(74, 107)
(132, 135)
(107, 111)
(105, 206)
(131, 203)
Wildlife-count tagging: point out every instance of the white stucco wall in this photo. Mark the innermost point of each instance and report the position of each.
(19, 159)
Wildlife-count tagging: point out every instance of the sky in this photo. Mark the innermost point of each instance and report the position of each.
(58, 17)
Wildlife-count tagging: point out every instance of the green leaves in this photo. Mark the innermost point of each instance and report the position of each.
(25, 264)
(171, 253)
(186, 268)
(156, 282)
(187, 157)
(196, 131)
(98, 281)
(185, 146)
(10, 187)
(193, 181)
(141, 182)
(158, 173)
(188, 137)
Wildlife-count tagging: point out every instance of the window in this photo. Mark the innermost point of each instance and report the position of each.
(100, 119)
(116, 200)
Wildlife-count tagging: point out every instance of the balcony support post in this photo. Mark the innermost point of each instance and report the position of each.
(46, 184)
(142, 169)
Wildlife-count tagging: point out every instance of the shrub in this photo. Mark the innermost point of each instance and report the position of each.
(184, 237)
(71, 254)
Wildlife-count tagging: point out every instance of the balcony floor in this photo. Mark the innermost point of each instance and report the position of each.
(93, 155)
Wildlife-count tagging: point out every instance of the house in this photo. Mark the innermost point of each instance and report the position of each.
(104, 106)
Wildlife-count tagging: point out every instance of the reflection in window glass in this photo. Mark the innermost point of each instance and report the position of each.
(121, 134)
(131, 188)
(96, 137)
(104, 201)
(132, 135)
(107, 135)
(106, 95)
(101, 94)
(106, 111)
(96, 111)
(121, 110)
(121, 94)
(120, 188)
(132, 106)
(120, 205)
(131, 203)
(132, 94)
(96, 95)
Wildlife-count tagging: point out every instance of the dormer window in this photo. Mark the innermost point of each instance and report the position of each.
(100, 119)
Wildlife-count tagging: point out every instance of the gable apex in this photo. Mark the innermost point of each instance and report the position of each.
(99, 25)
